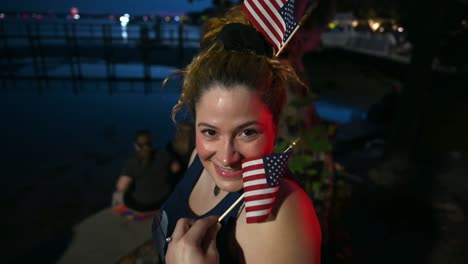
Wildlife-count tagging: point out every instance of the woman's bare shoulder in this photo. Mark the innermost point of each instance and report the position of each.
(292, 231)
(294, 210)
(291, 197)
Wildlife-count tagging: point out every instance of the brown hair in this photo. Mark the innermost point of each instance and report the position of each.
(215, 65)
(213, 26)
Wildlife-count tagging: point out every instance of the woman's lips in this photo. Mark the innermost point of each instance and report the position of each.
(227, 173)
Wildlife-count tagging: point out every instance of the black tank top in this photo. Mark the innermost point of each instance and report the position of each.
(177, 206)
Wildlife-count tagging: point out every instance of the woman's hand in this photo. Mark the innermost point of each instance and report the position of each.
(194, 241)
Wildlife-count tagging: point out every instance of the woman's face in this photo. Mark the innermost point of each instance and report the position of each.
(231, 125)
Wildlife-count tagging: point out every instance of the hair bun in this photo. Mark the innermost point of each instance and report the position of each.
(241, 37)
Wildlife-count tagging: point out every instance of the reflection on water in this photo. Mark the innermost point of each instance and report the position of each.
(124, 34)
(61, 116)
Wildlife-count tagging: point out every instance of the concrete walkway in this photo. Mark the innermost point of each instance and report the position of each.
(104, 238)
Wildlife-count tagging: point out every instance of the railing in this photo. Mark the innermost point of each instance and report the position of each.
(37, 50)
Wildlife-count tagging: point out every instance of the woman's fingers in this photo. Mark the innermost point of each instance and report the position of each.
(194, 241)
(182, 226)
(199, 230)
(209, 243)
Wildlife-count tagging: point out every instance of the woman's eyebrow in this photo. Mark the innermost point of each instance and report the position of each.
(203, 124)
(253, 122)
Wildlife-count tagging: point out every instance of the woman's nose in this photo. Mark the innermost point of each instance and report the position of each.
(229, 153)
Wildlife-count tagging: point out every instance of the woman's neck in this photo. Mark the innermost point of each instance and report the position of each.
(203, 198)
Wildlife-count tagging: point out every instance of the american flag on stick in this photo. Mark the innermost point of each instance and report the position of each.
(261, 179)
(275, 19)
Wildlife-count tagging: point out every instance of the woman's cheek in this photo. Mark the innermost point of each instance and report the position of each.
(268, 144)
(199, 144)
(256, 149)
(203, 147)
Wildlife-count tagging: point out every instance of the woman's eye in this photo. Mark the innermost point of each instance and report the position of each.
(209, 132)
(249, 132)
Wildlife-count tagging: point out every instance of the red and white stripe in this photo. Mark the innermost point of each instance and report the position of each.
(265, 16)
(258, 196)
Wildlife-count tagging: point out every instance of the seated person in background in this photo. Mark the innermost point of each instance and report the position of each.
(145, 181)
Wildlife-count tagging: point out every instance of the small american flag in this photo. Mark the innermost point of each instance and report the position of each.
(275, 19)
(261, 178)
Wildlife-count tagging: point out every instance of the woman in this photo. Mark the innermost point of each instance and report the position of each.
(235, 90)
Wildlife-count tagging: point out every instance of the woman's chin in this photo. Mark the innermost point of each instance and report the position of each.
(230, 186)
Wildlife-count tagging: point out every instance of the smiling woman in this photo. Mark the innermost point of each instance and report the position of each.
(231, 124)
(235, 89)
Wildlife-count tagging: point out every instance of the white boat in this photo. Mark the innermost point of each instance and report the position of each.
(376, 41)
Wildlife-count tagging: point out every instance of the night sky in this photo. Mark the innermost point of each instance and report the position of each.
(106, 6)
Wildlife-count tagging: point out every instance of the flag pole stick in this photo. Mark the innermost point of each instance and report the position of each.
(306, 15)
(230, 208)
(291, 146)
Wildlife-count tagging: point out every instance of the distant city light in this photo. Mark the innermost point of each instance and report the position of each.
(74, 11)
(381, 29)
(2, 15)
(394, 27)
(355, 23)
(176, 18)
(167, 18)
(400, 29)
(464, 22)
(332, 25)
(124, 20)
(373, 25)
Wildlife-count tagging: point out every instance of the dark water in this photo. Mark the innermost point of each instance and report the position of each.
(62, 152)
